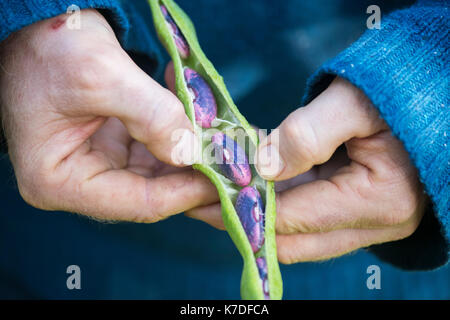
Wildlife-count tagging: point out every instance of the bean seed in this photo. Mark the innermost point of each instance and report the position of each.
(250, 209)
(262, 268)
(205, 106)
(180, 40)
(231, 159)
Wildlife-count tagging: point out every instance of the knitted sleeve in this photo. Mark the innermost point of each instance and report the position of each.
(404, 69)
(16, 14)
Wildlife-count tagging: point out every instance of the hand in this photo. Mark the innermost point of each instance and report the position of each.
(372, 197)
(80, 119)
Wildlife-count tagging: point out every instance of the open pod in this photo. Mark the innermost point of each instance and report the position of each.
(247, 200)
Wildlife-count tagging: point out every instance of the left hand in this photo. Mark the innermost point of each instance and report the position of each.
(90, 132)
(373, 196)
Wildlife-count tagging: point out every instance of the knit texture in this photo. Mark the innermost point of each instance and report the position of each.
(16, 14)
(404, 69)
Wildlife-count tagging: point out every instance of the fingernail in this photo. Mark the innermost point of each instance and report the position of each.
(269, 162)
(186, 149)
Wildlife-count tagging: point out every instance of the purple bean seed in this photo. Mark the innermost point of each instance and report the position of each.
(250, 209)
(205, 106)
(231, 159)
(262, 268)
(180, 40)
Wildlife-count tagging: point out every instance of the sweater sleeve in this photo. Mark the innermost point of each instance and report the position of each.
(404, 69)
(16, 14)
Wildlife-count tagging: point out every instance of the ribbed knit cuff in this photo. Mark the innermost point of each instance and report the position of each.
(404, 70)
(16, 14)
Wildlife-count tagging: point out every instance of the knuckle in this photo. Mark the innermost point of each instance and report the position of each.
(406, 201)
(405, 198)
(395, 201)
(292, 218)
(154, 204)
(288, 221)
(308, 225)
(301, 249)
(153, 215)
(167, 114)
(404, 209)
(93, 71)
(301, 138)
(28, 193)
(407, 231)
(285, 226)
(33, 190)
(40, 187)
(285, 256)
(282, 258)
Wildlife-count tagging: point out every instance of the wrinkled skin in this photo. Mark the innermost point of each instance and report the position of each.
(333, 202)
(88, 131)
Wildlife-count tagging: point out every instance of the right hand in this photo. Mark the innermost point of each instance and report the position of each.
(80, 119)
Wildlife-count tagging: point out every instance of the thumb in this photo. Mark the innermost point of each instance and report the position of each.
(152, 114)
(310, 135)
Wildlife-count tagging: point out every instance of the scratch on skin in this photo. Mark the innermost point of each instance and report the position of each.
(57, 23)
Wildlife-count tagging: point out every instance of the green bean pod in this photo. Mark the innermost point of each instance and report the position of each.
(184, 49)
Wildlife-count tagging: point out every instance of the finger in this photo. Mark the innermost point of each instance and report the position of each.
(325, 171)
(152, 114)
(210, 214)
(304, 209)
(303, 178)
(142, 162)
(378, 189)
(311, 134)
(324, 205)
(322, 246)
(113, 140)
(124, 196)
(317, 205)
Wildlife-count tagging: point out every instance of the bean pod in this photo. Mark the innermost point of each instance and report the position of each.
(180, 41)
(247, 200)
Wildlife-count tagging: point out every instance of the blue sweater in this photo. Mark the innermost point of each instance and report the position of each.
(403, 68)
